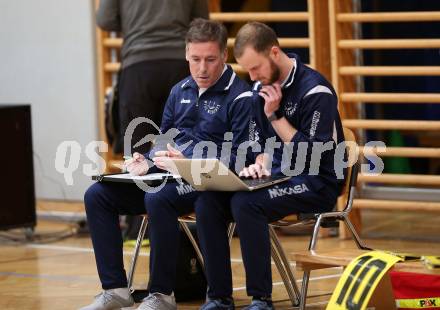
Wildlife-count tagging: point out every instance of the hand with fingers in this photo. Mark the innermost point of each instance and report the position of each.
(136, 165)
(272, 97)
(254, 171)
(162, 158)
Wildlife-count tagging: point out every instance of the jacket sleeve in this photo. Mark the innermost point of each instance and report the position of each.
(168, 112)
(169, 128)
(318, 114)
(240, 113)
(200, 9)
(108, 16)
(259, 125)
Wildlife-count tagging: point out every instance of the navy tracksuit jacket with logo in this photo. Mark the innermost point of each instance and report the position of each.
(224, 107)
(310, 105)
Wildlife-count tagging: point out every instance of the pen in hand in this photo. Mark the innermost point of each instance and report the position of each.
(136, 164)
(123, 166)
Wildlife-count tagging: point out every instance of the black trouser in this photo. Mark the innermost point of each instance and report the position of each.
(143, 90)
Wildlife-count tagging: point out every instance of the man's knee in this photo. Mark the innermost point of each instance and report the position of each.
(242, 207)
(156, 203)
(209, 206)
(93, 197)
(203, 206)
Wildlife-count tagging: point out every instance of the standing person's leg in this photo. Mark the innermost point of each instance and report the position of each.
(252, 213)
(164, 208)
(143, 90)
(104, 202)
(162, 76)
(213, 217)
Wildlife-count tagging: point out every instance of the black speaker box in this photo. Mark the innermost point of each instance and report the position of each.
(17, 191)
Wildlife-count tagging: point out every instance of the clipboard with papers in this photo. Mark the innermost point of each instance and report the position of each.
(125, 177)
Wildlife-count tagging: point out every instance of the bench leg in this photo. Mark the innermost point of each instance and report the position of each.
(356, 237)
(196, 247)
(304, 287)
(283, 266)
(231, 229)
(193, 242)
(137, 249)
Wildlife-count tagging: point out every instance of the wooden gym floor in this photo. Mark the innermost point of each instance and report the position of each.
(51, 274)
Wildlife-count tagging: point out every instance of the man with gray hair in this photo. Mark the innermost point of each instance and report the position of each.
(202, 107)
(295, 107)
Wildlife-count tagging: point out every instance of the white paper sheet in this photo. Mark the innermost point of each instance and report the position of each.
(147, 177)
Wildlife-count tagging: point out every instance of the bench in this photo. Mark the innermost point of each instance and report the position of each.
(383, 297)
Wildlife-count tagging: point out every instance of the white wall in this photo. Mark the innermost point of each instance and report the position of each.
(47, 59)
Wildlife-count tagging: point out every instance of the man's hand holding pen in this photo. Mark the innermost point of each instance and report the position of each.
(136, 165)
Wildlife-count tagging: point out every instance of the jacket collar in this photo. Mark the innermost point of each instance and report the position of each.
(290, 78)
(223, 83)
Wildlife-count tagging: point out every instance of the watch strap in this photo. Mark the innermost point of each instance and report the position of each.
(275, 116)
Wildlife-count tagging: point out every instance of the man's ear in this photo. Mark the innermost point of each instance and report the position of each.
(274, 52)
(225, 55)
(186, 53)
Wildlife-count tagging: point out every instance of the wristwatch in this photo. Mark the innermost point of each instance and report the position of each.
(275, 116)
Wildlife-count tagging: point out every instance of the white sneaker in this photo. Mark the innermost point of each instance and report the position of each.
(158, 301)
(109, 300)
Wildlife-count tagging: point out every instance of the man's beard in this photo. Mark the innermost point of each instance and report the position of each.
(275, 74)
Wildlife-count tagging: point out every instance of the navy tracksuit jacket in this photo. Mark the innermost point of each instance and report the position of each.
(310, 105)
(224, 107)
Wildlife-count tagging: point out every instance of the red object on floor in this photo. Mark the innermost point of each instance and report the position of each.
(415, 290)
